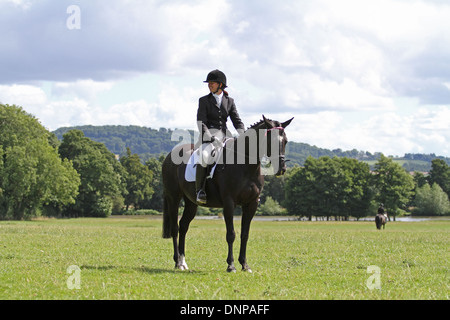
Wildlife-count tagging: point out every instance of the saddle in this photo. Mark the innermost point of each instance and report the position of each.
(194, 160)
(191, 168)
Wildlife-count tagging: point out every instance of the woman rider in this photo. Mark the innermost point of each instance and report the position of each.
(212, 115)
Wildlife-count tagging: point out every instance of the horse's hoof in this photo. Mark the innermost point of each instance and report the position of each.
(231, 269)
(181, 265)
(246, 268)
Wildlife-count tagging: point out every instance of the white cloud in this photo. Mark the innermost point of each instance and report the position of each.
(22, 95)
(23, 4)
(86, 89)
(339, 67)
(424, 131)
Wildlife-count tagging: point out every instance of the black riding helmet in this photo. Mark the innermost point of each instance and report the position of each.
(217, 76)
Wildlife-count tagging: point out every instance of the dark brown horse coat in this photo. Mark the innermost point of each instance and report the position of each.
(233, 184)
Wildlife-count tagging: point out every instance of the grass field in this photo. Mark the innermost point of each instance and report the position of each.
(126, 258)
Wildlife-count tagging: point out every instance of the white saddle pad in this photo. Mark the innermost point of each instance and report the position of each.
(191, 168)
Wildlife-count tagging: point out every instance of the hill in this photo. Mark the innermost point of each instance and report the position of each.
(147, 143)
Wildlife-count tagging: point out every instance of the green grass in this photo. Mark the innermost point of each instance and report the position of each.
(126, 258)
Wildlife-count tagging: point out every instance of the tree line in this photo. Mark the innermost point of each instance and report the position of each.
(150, 143)
(340, 188)
(75, 176)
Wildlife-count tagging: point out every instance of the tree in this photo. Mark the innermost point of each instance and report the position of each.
(156, 200)
(138, 178)
(440, 174)
(431, 201)
(419, 179)
(270, 207)
(32, 175)
(101, 176)
(274, 188)
(360, 193)
(301, 195)
(329, 187)
(394, 185)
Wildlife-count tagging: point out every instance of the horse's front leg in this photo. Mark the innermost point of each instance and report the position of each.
(248, 212)
(231, 234)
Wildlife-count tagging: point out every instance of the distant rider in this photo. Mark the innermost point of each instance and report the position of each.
(382, 211)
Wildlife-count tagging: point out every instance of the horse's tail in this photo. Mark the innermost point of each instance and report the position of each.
(170, 214)
(378, 222)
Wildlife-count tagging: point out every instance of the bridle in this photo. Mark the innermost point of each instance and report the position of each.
(274, 128)
(281, 157)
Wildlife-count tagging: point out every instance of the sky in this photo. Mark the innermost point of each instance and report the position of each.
(371, 75)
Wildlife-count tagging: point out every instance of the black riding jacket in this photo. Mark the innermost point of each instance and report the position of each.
(210, 116)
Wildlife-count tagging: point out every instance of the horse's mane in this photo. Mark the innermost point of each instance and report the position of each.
(258, 124)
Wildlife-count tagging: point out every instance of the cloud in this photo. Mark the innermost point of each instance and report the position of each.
(85, 89)
(116, 39)
(422, 131)
(22, 95)
(339, 67)
(387, 48)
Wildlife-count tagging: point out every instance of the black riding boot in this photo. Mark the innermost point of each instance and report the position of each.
(200, 178)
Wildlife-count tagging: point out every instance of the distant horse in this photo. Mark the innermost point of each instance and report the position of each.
(237, 181)
(380, 220)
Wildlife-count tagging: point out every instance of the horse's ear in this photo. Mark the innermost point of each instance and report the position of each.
(285, 124)
(267, 121)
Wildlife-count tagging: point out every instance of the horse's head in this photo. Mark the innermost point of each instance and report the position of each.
(276, 141)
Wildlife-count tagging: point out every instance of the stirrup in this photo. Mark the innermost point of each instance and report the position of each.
(201, 197)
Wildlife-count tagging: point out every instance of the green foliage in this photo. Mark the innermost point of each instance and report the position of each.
(156, 200)
(270, 207)
(138, 179)
(274, 187)
(150, 143)
(328, 187)
(419, 179)
(431, 201)
(101, 175)
(32, 175)
(145, 142)
(394, 185)
(440, 174)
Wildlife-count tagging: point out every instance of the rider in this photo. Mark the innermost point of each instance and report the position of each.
(213, 112)
(382, 211)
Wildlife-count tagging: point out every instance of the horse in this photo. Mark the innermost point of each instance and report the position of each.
(237, 181)
(380, 220)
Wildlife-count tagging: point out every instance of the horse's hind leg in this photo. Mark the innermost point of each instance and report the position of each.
(231, 235)
(190, 209)
(170, 224)
(248, 212)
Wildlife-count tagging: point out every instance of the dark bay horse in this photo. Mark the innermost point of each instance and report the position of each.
(237, 180)
(380, 220)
